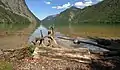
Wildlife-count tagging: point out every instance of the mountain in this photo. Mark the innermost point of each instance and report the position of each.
(61, 18)
(105, 12)
(16, 24)
(49, 20)
(15, 14)
(66, 16)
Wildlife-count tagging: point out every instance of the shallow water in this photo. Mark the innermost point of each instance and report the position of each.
(37, 34)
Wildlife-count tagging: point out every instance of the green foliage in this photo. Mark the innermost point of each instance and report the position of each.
(5, 65)
(31, 48)
(106, 12)
(2, 4)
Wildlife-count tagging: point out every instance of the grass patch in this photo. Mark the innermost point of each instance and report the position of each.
(5, 65)
(31, 49)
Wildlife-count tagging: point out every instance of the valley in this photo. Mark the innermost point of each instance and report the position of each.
(99, 20)
(75, 39)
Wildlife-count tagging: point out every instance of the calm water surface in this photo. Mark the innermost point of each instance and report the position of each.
(37, 34)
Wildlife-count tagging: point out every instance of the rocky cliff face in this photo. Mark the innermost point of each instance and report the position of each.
(18, 7)
(16, 23)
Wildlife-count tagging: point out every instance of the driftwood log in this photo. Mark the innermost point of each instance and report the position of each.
(77, 55)
(102, 43)
(43, 49)
(59, 53)
(111, 44)
(76, 41)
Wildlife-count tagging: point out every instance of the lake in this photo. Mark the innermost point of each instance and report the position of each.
(105, 31)
(36, 33)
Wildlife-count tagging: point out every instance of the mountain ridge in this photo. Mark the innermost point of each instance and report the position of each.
(15, 13)
(17, 23)
(104, 12)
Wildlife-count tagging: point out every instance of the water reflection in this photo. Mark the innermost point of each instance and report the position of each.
(37, 33)
(66, 43)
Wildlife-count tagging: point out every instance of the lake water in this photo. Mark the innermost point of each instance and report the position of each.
(37, 34)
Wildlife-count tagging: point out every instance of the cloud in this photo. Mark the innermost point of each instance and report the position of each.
(79, 4)
(87, 0)
(83, 4)
(89, 3)
(99, 0)
(54, 7)
(65, 6)
(47, 2)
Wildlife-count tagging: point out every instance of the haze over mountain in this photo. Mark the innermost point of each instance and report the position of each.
(105, 12)
(49, 19)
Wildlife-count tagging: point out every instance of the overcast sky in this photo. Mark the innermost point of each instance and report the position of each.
(44, 8)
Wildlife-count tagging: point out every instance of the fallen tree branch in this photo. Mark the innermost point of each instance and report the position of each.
(98, 45)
